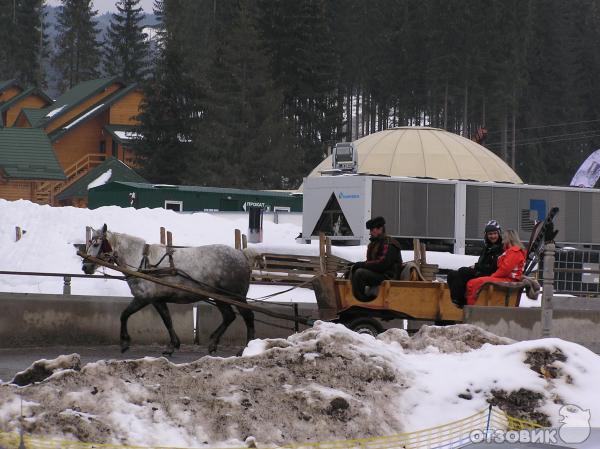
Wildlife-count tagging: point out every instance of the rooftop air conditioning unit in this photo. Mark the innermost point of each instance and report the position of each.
(344, 157)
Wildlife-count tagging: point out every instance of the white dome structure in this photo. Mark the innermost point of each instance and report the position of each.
(426, 152)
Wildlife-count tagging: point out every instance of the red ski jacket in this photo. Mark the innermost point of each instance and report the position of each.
(510, 264)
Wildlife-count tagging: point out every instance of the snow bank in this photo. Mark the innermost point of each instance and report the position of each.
(51, 233)
(325, 383)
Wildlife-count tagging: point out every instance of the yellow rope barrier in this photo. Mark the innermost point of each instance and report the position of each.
(449, 435)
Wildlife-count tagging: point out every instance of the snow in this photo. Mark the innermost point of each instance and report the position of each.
(83, 117)
(326, 383)
(55, 111)
(100, 180)
(47, 246)
(127, 135)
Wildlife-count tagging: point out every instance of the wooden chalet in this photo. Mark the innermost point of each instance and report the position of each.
(83, 128)
(14, 98)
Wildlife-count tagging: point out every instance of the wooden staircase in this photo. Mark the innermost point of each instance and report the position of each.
(45, 192)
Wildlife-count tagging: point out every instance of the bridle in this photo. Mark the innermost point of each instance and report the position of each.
(105, 250)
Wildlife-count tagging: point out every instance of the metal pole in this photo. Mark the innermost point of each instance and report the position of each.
(548, 289)
(67, 285)
(296, 315)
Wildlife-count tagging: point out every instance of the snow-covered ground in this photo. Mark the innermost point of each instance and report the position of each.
(51, 232)
(325, 383)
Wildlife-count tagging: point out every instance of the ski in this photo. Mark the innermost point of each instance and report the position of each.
(542, 232)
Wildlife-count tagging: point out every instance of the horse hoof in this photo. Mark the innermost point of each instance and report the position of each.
(212, 350)
(168, 353)
(124, 348)
(177, 345)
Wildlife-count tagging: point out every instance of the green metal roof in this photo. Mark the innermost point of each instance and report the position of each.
(71, 98)
(91, 111)
(198, 189)
(32, 90)
(119, 172)
(5, 84)
(26, 153)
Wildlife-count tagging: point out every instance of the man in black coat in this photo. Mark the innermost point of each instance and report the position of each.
(383, 262)
(485, 266)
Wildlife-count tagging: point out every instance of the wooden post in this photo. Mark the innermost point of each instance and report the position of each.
(88, 235)
(18, 233)
(423, 253)
(238, 239)
(169, 238)
(322, 253)
(548, 289)
(417, 251)
(162, 236)
(244, 241)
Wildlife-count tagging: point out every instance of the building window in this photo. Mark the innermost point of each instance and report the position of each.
(115, 149)
(102, 148)
(177, 206)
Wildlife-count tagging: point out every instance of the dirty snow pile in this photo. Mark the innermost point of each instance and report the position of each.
(51, 232)
(325, 383)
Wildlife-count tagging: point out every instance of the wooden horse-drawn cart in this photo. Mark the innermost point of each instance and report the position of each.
(415, 300)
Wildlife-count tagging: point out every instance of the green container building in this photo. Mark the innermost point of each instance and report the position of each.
(190, 198)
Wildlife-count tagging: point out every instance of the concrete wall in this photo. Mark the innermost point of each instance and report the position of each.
(576, 320)
(209, 318)
(48, 320)
(45, 320)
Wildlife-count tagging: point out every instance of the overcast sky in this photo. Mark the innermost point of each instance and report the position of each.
(109, 5)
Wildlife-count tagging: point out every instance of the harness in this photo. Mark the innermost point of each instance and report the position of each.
(149, 268)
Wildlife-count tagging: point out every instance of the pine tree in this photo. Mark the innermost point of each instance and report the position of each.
(244, 140)
(168, 110)
(127, 47)
(32, 42)
(24, 40)
(78, 52)
(306, 66)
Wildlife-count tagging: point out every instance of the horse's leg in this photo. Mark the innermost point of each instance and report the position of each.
(163, 311)
(248, 316)
(228, 318)
(135, 305)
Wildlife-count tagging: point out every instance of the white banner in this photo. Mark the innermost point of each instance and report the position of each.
(589, 172)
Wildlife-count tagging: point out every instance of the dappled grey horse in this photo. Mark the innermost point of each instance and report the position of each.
(218, 268)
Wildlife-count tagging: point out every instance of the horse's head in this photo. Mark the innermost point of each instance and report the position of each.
(100, 248)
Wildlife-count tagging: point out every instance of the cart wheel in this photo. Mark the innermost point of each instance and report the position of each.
(365, 326)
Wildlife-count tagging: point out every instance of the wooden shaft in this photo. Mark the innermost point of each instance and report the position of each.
(169, 238)
(162, 236)
(18, 233)
(244, 241)
(202, 295)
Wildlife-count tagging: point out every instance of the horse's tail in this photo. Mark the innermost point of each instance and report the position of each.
(254, 258)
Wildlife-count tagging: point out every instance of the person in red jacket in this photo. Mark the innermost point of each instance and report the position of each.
(510, 266)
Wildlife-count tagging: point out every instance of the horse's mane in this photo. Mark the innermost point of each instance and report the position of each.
(122, 237)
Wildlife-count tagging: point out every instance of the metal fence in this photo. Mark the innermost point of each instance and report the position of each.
(576, 272)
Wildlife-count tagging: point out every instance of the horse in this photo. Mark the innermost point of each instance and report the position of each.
(219, 268)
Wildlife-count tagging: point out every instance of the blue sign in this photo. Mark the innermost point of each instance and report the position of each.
(538, 206)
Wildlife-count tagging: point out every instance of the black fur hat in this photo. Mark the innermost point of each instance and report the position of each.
(376, 222)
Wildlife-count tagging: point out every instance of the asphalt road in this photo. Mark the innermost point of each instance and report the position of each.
(14, 360)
